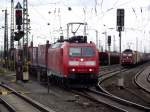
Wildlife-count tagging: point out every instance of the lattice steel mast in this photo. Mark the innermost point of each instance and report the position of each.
(25, 22)
(25, 37)
(12, 26)
(6, 39)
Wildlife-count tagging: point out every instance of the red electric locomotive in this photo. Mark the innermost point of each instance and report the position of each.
(130, 57)
(73, 62)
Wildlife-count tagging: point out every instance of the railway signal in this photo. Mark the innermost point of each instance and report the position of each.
(18, 35)
(18, 17)
(120, 19)
(120, 27)
(109, 40)
(109, 44)
(18, 14)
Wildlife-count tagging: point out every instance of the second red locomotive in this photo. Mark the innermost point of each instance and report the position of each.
(130, 57)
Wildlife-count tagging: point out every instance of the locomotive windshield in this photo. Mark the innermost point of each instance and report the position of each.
(127, 50)
(81, 52)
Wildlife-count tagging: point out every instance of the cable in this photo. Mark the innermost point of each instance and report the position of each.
(134, 12)
(38, 12)
(112, 8)
(115, 3)
(102, 5)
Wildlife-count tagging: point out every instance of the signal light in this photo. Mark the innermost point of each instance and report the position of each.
(18, 17)
(120, 19)
(109, 40)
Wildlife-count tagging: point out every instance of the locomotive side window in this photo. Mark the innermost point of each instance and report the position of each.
(75, 52)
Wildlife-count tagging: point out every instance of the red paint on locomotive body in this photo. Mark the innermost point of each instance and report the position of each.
(73, 60)
(130, 57)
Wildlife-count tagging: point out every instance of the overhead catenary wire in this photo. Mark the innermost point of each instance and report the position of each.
(115, 3)
(112, 7)
(89, 16)
(40, 14)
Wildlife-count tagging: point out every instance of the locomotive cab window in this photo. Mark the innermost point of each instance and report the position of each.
(75, 52)
(82, 52)
(88, 52)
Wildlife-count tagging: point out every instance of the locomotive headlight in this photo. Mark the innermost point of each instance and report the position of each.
(81, 59)
(72, 69)
(90, 63)
(73, 63)
(90, 70)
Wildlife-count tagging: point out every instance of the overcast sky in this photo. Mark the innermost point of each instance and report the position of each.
(99, 14)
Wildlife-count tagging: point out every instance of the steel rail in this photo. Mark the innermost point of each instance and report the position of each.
(32, 102)
(7, 105)
(85, 94)
(117, 98)
(138, 84)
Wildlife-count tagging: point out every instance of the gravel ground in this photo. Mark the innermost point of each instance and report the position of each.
(130, 92)
(58, 99)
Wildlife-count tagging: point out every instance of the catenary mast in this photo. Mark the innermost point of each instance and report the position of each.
(12, 26)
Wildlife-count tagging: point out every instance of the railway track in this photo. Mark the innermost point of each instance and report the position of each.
(5, 106)
(101, 99)
(142, 80)
(16, 102)
(126, 102)
(148, 78)
(112, 101)
(110, 73)
(143, 108)
(108, 99)
(109, 69)
(117, 104)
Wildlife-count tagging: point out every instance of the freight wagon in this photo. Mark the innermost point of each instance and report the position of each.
(104, 58)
